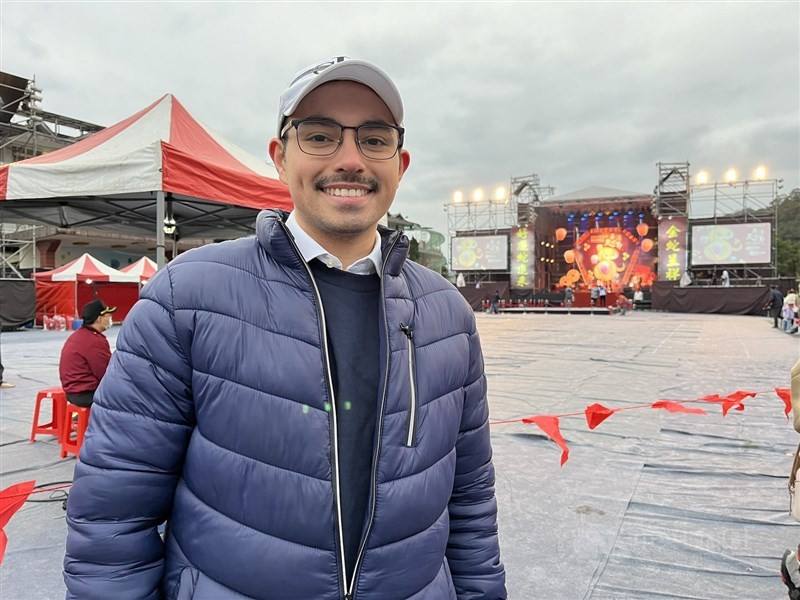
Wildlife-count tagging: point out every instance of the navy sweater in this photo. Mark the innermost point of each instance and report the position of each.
(351, 316)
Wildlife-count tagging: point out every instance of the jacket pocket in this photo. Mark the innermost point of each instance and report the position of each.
(186, 584)
(411, 424)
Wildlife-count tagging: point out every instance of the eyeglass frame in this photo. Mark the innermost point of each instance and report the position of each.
(296, 122)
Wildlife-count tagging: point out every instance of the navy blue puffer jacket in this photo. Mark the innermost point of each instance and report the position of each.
(212, 416)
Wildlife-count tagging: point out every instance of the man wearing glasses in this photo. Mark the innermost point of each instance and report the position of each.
(307, 408)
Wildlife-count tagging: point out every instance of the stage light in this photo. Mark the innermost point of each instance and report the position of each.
(731, 175)
(500, 193)
(760, 172)
(458, 197)
(88, 282)
(477, 195)
(701, 178)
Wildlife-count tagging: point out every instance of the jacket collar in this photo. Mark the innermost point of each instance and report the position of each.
(274, 237)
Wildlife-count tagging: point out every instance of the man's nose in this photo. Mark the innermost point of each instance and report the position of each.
(349, 157)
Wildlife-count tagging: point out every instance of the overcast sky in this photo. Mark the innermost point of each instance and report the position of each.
(582, 94)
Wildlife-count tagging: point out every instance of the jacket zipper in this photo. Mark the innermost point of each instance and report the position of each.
(408, 330)
(335, 428)
(351, 593)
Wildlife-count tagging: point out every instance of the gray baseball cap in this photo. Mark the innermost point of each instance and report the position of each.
(340, 68)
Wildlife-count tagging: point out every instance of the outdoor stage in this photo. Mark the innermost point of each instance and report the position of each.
(650, 504)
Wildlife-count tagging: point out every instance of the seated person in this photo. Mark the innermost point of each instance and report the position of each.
(85, 355)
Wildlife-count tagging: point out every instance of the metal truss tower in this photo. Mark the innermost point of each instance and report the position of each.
(516, 206)
(749, 201)
(672, 191)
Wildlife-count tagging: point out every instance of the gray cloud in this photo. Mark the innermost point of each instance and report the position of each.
(583, 94)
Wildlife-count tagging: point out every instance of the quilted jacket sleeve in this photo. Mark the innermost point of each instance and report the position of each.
(131, 458)
(473, 553)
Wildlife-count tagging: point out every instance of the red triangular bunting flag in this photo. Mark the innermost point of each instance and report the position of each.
(728, 402)
(713, 398)
(597, 413)
(552, 430)
(677, 407)
(785, 395)
(11, 499)
(740, 395)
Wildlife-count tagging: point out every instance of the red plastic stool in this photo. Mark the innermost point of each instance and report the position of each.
(70, 444)
(59, 403)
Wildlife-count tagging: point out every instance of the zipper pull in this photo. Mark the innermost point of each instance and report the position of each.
(408, 330)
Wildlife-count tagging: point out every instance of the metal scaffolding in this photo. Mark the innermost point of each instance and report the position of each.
(749, 201)
(25, 129)
(516, 206)
(672, 191)
(16, 241)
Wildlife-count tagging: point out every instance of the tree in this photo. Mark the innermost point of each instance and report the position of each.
(788, 241)
(413, 250)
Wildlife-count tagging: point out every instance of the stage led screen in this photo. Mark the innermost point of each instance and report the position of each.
(479, 253)
(744, 243)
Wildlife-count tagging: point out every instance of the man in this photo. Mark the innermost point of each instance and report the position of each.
(569, 296)
(775, 305)
(495, 303)
(306, 408)
(594, 294)
(85, 355)
(3, 383)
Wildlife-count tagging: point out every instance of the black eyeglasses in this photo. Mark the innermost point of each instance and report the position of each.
(323, 137)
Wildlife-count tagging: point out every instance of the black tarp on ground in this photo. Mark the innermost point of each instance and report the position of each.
(17, 302)
(707, 300)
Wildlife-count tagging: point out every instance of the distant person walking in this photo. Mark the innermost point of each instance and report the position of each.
(569, 297)
(602, 292)
(495, 302)
(3, 383)
(775, 305)
(638, 298)
(593, 295)
(726, 279)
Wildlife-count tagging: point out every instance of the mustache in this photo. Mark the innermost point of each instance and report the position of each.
(351, 177)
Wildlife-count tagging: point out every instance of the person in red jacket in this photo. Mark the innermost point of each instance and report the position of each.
(85, 355)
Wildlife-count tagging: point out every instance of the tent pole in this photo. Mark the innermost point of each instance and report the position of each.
(161, 258)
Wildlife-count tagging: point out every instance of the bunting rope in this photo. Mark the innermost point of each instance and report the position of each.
(596, 413)
(14, 497)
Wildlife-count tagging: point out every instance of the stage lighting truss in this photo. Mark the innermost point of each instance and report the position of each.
(504, 207)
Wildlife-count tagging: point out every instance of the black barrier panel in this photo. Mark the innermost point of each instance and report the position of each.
(17, 302)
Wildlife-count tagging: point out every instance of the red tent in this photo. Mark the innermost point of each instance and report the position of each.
(64, 291)
(144, 268)
(156, 166)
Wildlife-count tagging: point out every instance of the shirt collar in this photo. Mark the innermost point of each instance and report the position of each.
(311, 249)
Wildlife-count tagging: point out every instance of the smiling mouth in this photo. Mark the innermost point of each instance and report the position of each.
(340, 192)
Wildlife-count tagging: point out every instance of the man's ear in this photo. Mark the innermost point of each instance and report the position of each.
(278, 155)
(405, 161)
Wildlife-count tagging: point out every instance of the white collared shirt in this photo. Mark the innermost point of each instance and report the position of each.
(311, 249)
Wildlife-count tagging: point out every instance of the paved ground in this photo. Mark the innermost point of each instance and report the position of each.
(650, 504)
